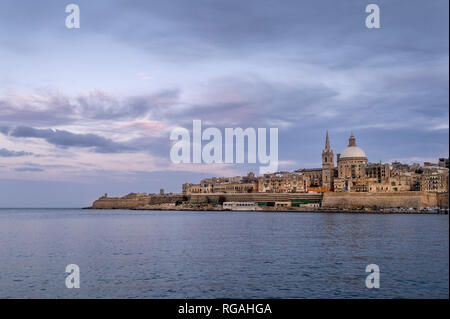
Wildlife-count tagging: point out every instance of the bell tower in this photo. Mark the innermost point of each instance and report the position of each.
(327, 165)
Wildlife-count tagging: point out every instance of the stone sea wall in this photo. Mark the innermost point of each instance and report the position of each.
(133, 201)
(130, 202)
(385, 200)
(442, 199)
(338, 200)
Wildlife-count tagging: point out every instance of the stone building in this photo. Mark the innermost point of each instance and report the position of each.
(377, 172)
(314, 176)
(433, 180)
(189, 188)
(236, 184)
(283, 182)
(351, 165)
(444, 162)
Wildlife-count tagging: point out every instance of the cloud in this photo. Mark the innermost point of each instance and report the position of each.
(7, 153)
(28, 169)
(39, 107)
(4, 129)
(195, 30)
(254, 101)
(62, 138)
(99, 105)
(51, 107)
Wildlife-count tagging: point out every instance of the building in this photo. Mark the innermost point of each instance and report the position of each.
(434, 179)
(443, 162)
(283, 182)
(314, 176)
(351, 164)
(237, 184)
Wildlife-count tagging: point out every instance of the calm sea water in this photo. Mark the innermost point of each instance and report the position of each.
(158, 254)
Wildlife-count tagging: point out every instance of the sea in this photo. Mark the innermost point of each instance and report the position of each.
(187, 254)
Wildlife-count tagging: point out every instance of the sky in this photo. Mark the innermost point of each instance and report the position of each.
(89, 111)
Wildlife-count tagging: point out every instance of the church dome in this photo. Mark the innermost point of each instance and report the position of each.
(352, 150)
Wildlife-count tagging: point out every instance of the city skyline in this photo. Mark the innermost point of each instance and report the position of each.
(89, 111)
(353, 172)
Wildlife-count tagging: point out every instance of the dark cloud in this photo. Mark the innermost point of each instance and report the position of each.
(41, 108)
(62, 138)
(48, 108)
(332, 32)
(183, 31)
(28, 169)
(4, 129)
(7, 153)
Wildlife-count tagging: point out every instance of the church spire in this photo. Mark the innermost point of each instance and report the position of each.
(327, 165)
(327, 142)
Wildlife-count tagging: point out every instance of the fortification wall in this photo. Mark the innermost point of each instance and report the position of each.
(443, 200)
(383, 200)
(130, 202)
(330, 199)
